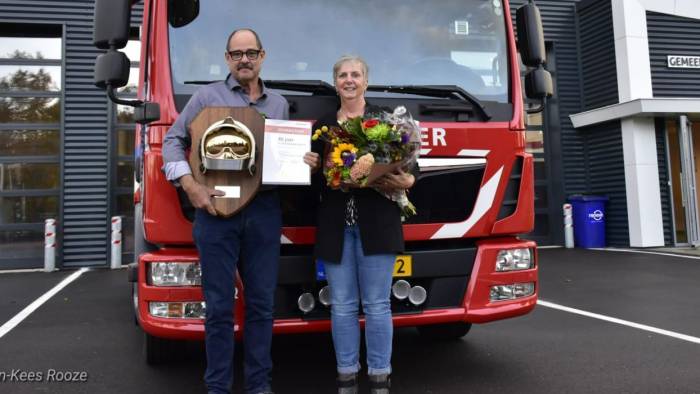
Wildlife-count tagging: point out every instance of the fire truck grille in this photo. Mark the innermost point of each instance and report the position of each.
(439, 197)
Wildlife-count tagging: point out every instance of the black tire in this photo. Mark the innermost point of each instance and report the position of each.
(444, 332)
(157, 350)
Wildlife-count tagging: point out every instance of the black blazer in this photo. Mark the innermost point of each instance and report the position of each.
(379, 218)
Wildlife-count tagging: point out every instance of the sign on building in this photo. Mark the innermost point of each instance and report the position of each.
(675, 61)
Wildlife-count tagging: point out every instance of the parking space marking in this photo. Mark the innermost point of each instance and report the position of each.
(683, 256)
(615, 320)
(12, 323)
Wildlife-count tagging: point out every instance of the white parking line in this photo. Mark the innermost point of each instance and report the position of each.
(12, 323)
(683, 256)
(620, 321)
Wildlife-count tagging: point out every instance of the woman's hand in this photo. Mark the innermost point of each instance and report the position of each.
(395, 181)
(312, 159)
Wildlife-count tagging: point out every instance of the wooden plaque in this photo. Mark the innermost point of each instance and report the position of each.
(248, 184)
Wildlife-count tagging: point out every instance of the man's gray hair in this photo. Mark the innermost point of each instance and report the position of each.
(233, 33)
(351, 58)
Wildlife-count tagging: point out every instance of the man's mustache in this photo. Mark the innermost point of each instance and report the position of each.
(242, 66)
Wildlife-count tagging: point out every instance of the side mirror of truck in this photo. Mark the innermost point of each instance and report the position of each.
(112, 70)
(111, 23)
(538, 84)
(530, 35)
(111, 32)
(538, 81)
(182, 12)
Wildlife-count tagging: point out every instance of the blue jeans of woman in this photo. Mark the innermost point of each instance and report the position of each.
(367, 280)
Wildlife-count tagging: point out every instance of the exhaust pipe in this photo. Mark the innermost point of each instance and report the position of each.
(417, 295)
(306, 302)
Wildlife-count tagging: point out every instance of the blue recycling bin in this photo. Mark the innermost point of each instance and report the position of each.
(589, 220)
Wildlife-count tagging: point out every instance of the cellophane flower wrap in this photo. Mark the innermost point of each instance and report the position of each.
(361, 143)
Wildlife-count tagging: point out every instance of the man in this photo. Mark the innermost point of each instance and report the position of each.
(253, 234)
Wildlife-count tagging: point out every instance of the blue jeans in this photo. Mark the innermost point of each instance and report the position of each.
(367, 279)
(253, 234)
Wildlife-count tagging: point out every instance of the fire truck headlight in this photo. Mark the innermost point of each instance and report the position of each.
(175, 274)
(514, 260)
(178, 310)
(512, 292)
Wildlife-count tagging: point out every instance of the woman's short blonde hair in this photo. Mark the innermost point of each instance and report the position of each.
(351, 58)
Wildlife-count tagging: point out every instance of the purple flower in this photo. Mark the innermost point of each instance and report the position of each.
(404, 138)
(348, 158)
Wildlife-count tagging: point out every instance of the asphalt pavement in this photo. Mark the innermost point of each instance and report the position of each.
(86, 333)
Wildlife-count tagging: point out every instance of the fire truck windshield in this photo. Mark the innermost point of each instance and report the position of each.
(405, 42)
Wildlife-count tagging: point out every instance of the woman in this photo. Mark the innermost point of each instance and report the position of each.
(358, 235)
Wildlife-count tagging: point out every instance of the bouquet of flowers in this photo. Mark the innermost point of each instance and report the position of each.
(363, 149)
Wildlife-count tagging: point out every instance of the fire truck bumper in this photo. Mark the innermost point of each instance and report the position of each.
(490, 280)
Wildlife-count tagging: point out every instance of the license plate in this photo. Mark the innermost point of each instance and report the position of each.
(403, 266)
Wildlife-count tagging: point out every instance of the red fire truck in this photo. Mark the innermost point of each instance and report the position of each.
(456, 68)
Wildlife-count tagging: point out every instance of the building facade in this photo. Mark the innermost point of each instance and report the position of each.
(627, 91)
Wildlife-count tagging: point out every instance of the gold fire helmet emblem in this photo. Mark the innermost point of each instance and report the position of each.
(228, 145)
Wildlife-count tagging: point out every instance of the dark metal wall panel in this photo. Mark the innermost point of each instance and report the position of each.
(673, 35)
(597, 41)
(606, 171)
(86, 185)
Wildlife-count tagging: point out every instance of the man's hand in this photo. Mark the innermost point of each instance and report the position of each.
(198, 194)
(313, 160)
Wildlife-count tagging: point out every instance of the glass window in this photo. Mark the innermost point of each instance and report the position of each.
(534, 119)
(16, 244)
(133, 50)
(459, 43)
(29, 143)
(27, 209)
(132, 85)
(534, 141)
(125, 174)
(30, 78)
(30, 110)
(25, 176)
(125, 114)
(30, 48)
(125, 142)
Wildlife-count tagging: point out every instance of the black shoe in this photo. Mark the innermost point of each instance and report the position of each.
(379, 384)
(347, 383)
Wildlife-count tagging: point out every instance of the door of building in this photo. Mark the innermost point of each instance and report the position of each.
(684, 161)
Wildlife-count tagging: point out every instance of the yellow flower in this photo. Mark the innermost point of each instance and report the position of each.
(314, 137)
(324, 128)
(337, 154)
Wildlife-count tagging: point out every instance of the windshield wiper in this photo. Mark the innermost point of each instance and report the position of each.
(315, 86)
(446, 91)
(297, 85)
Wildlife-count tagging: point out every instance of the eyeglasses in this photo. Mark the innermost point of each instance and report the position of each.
(251, 54)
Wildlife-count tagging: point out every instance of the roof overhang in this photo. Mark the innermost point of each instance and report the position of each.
(645, 108)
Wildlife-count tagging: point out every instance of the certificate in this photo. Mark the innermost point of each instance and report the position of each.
(286, 142)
